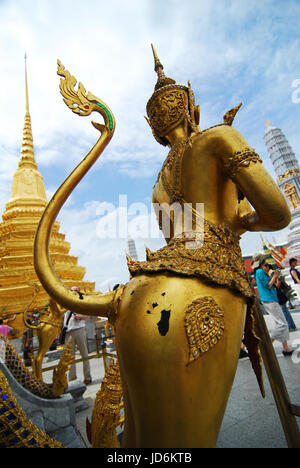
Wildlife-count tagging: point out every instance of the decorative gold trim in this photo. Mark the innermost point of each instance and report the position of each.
(245, 221)
(204, 324)
(241, 159)
(60, 379)
(106, 412)
(218, 258)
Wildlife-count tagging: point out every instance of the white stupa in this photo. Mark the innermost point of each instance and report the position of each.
(286, 166)
(132, 248)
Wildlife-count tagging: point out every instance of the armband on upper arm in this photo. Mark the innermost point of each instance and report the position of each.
(241, 159)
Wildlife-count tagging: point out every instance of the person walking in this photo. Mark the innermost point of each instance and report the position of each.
(27, 346)
(268, 296)
(76, 329)
(281, 288)
(295, 275)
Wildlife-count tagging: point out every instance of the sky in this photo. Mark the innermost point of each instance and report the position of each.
(232, 51)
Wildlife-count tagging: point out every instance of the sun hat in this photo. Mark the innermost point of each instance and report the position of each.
(258, 259)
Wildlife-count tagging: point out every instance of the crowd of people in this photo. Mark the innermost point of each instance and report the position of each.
(273, 294)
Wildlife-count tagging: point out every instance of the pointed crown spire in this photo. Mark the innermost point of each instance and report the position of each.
(162, 79)
(169, 104)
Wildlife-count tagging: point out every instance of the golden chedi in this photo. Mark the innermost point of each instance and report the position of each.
(17, 230)
(180, 320)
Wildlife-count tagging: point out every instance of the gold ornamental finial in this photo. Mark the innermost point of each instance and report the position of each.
(157, 62)
(27, 151)
(267, 123)
(162, 79)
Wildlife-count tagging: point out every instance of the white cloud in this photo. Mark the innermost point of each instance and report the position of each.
(106, 255)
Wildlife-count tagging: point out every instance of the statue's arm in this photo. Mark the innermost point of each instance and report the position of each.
(243, 165)
(244, 210)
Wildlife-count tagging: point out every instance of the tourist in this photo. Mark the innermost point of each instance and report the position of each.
(27, 346)
(295, 275)
(243, 351)
(76, 324)
(268, 296)
(4, 329)
(281, 289)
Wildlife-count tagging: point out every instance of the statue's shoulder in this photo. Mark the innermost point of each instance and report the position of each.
(218, 133)
(225, 129)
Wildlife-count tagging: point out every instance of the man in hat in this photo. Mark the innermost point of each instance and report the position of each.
(268, 296)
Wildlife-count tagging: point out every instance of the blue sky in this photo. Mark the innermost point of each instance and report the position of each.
(230, 50)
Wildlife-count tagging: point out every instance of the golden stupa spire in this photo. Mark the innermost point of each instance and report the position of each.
(20, 219)
(26, 86)
(28, 182)
(27, 152)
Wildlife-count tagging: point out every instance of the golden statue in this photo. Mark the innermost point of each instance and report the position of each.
(106, 412)
(47, 326)
(50, 326)
(179, 321)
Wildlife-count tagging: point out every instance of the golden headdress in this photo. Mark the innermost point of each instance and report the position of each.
(170, 104)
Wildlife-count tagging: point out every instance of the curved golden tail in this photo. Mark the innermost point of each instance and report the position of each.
(83, 104)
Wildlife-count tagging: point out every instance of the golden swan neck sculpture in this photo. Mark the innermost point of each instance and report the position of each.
(83, 104)
(180, 320)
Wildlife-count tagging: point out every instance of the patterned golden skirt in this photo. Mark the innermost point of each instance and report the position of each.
(213, 256)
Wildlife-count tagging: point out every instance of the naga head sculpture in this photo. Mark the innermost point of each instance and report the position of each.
(170, 104)
(82, 104)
